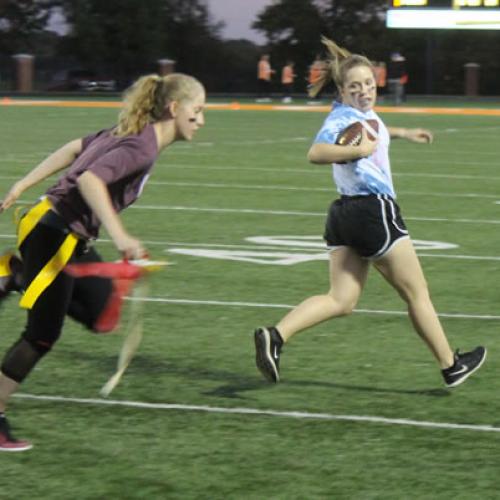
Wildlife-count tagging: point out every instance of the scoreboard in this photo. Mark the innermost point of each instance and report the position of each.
(444, 14)
(446, 4)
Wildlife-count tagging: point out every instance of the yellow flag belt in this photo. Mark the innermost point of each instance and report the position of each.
(55, 265)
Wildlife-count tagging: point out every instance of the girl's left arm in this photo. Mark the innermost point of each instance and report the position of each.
(411, 134)
(58, 160)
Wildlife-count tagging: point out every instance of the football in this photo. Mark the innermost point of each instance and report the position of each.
(351, 135)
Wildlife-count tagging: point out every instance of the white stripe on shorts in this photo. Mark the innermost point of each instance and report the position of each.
(386, 227)
(393, 211)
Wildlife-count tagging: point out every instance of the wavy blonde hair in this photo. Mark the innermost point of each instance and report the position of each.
(339, 61)
(147, 99)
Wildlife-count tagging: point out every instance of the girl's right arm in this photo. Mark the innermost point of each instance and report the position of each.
(58, 160)
(95, 193)
(324, 153)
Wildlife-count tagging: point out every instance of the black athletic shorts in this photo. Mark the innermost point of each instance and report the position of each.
(370, 224)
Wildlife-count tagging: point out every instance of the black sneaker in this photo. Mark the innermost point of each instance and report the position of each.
(11, 269)
(8, 442)
(268, 344)
(465, 364)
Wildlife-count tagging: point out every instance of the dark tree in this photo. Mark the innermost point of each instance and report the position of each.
(293, 29)
(124, 38)
(357, 25)
(21, 22)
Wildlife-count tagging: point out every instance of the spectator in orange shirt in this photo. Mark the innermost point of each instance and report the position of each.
(264, 74)
(316, 72)
(380, 70)
(287, 78)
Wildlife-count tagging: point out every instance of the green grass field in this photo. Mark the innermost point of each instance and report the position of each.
(361, 412)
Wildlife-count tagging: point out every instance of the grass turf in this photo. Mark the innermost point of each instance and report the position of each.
(246, 176)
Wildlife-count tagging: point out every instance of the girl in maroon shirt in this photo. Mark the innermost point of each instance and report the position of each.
(105, 173)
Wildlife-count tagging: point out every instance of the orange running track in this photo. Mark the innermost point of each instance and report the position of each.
(237, 106)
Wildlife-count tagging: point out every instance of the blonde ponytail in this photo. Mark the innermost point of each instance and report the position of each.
(338, 62)
(147, 99)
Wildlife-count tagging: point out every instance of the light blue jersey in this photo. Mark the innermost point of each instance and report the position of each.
(370, 175)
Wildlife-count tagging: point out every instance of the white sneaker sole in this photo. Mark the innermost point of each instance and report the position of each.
(14, 450)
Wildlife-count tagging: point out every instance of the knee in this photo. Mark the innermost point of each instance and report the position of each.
(347, 309)
(414, 292)
(22, 357)
(342, 305)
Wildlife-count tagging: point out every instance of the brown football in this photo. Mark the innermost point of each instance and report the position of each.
(351, 135)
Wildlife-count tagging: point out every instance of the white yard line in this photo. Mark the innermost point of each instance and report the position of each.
(296, 213)
(312, 170)
(225, 303)
(321, 171)
(281, 187)
(281, 248)
(225, 210)
(299, 415)
(330, 189)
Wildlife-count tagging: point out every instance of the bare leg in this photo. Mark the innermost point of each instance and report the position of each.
(348, 272)
(401, 268)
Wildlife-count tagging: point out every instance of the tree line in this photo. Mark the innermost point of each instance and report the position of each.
(121, 39)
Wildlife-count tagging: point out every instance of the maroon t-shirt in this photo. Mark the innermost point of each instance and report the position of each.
(123, 163)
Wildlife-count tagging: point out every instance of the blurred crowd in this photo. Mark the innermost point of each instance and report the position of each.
(391, 79)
